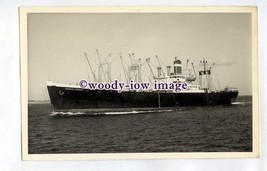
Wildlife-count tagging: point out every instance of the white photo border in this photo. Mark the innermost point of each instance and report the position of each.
(24, 11)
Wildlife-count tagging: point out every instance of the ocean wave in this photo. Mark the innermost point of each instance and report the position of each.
(239, 103)
(136, 112)
(107, 113)
(67, 113)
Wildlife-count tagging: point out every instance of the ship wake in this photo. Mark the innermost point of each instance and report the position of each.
(242, 103)
(107, 113)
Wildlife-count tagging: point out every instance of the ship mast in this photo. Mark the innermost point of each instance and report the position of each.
(85, 54)
(159, 64)
(148, 60)
(134, 69)
(194, 69)
(125, 73)
(108, 71)
(99, 67)
(207, 73)
(187, 70)
(159, 70)
(107, 74)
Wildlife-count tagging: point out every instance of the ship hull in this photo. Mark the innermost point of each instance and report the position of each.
(69, 98)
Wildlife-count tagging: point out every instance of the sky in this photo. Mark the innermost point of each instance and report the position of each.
(57, 42)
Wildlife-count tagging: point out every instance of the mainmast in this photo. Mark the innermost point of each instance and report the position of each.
(107, 74)
(148, 63)
(159, 71)
(135, 69)
(159, 64)
(124, 70)
(206, 72)
(85, 54)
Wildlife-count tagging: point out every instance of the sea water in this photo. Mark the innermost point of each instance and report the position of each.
(226, 128)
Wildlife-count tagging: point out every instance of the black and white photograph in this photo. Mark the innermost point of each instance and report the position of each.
(139, 83)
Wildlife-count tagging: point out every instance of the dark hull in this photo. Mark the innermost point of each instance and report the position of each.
(64, 98)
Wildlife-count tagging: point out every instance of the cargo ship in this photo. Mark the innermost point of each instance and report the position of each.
(199, 90)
